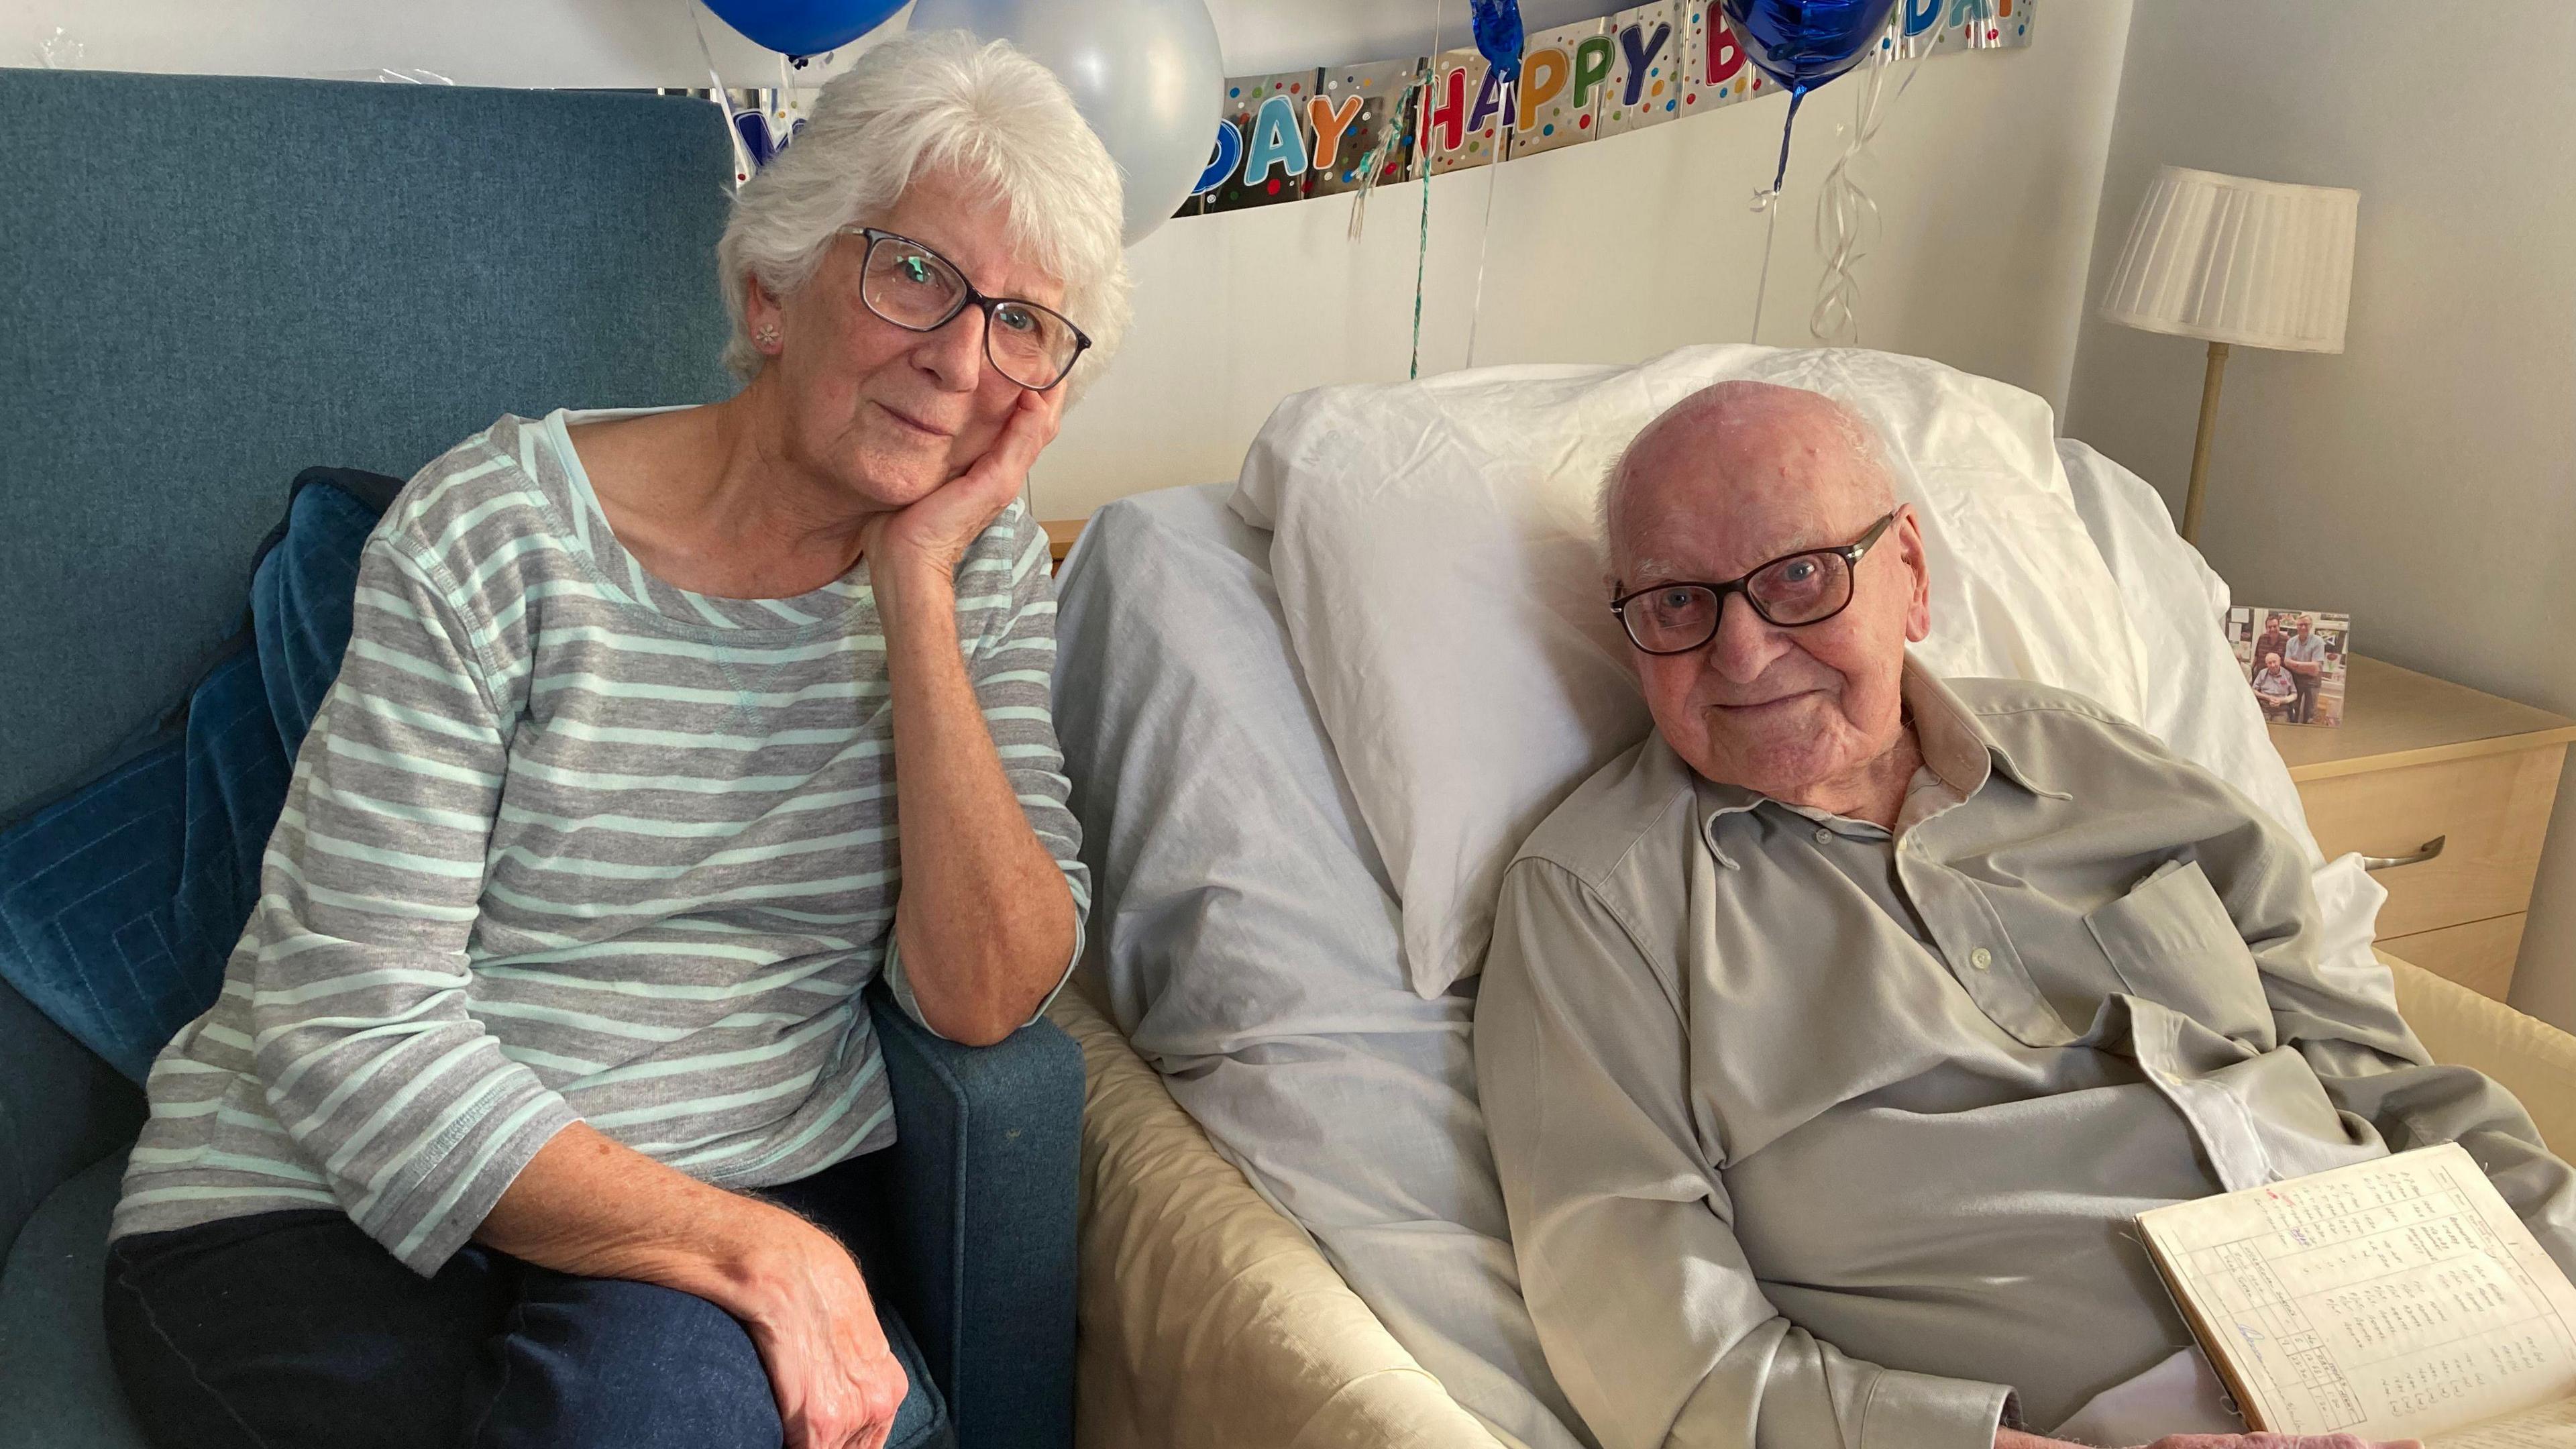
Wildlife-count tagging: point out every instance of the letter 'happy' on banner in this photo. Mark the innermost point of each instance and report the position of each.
(1462, 114)
(1555, 111)
(1645, 86)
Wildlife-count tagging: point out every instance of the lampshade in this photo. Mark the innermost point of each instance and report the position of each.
(2250, 263)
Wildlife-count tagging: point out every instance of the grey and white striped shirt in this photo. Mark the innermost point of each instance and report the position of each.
(569, 843)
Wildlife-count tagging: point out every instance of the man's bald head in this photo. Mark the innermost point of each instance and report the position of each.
(1736, 477)
(1731, 437)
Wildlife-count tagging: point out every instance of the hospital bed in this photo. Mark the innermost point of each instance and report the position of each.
(1289, 1233)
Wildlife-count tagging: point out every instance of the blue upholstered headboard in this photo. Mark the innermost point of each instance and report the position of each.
(208, 283)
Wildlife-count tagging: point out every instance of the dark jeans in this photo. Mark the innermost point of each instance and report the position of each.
(291, 1329)
(2304, 709)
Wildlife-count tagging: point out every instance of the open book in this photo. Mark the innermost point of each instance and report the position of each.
(2397, 1299)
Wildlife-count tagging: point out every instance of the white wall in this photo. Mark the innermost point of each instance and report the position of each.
(2421, 479)
(1988, 174)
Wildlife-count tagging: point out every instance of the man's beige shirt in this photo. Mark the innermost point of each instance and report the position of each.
(1813, 1136)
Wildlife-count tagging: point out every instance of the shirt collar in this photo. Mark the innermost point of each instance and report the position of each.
(1957, 744)
(1956, 747)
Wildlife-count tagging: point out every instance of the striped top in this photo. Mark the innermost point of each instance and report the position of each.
(568, 843)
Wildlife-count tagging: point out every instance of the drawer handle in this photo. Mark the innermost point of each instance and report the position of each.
(2423, 853)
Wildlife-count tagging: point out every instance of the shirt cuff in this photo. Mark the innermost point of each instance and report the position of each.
(1921, 1411)
(448, 1193)
(900, 984)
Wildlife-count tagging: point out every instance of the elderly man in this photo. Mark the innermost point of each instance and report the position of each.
(1832, 1036)
(2274, 687)
(2305, 658)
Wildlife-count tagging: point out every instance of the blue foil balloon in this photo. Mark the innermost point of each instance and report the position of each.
(1498, 34)
(800, 28)
(1804, 43)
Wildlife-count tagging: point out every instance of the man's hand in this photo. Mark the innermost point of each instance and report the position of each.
(2018, 1440)
(808, 1311)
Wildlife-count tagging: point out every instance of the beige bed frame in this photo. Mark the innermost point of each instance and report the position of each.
(1210, 1320)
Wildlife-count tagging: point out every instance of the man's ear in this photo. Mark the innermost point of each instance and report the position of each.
(1918, 564)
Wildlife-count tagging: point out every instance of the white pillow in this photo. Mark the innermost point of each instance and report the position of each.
(1438, 568)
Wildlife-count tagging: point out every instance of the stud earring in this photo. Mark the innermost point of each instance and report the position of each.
(766, 336)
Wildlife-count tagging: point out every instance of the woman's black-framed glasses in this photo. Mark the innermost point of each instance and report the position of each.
(919, 290)
(1807, 587)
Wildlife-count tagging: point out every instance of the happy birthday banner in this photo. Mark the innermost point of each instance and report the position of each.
(1323, 132)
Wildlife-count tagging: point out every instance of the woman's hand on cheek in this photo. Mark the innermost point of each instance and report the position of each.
(931, 535)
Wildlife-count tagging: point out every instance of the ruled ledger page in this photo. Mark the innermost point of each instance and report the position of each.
(2393, 1299)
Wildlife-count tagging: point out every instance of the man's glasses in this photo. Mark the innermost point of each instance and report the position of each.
(919, 290)
(1808, 587)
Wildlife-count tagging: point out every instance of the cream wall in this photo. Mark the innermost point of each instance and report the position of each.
(2422, 479)
(1988, 174)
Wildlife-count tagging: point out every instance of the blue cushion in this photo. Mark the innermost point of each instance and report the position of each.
(120, 903)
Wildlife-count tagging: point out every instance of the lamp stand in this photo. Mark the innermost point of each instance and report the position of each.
(2200, 442)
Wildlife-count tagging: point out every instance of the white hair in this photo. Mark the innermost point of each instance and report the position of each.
(1855, 431)
(928, 101)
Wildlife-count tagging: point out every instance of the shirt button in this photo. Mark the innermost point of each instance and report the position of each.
(1824, 836)
(1981, 958)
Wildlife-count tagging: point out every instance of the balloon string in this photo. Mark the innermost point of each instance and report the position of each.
(1373, 168)
(1769, 201)
(1485, 233)
(1847, 219)
(724, 103)
(1797, 96)
(1422, 168)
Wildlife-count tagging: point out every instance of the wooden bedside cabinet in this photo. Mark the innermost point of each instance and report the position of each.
(2417, 761)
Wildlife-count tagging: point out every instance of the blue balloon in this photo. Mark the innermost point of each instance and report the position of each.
(1804, 43)
(804, 27)
(1497, 24)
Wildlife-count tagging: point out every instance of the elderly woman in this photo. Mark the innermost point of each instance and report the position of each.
(522, 1115)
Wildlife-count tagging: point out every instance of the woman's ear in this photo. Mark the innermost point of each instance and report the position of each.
(763, 318)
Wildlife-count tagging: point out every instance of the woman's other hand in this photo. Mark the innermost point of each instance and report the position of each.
(594, 1207)
(933, 532)
(837, 1383)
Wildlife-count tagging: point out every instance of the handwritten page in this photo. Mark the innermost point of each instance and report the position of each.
(2551, 1426)
(2393, 1299)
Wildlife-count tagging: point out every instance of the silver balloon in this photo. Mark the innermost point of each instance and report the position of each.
(1146, 73)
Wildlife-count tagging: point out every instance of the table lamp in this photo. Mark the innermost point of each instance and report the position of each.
(2239, 263)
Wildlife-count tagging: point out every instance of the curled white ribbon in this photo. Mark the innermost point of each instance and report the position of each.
(1847, 220)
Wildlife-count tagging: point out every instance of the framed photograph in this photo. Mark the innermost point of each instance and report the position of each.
(2295, 660)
